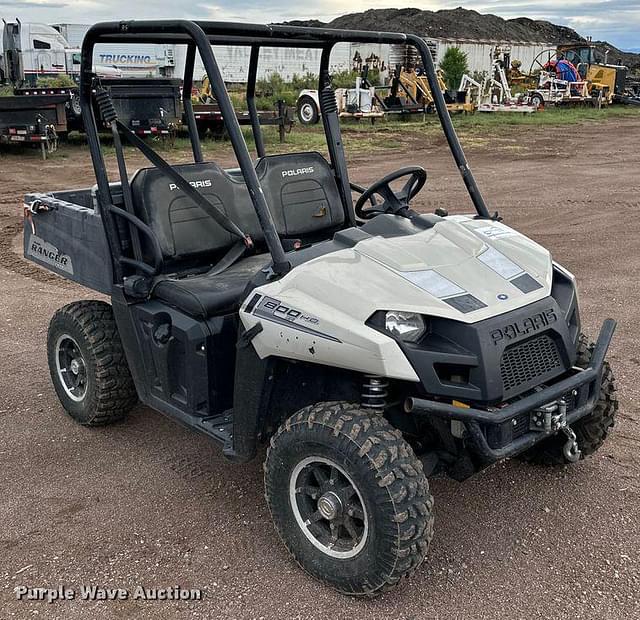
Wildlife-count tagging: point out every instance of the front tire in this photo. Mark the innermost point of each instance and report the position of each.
(348, 497)
(87, 363)
(592, 430)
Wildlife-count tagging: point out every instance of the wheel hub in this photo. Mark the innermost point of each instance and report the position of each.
(330, 506)
(74, 366)
(306, 112)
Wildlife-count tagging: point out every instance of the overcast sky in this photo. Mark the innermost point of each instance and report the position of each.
(617, 21)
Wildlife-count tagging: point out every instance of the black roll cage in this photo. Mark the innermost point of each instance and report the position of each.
(201, 36)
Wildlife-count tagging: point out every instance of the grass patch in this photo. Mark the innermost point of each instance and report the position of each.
(474, 130)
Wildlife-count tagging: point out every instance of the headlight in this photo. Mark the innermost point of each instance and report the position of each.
(407, 326)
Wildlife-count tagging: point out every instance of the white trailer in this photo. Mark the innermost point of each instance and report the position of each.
(234, 61)
(480, 52)
(130, 60)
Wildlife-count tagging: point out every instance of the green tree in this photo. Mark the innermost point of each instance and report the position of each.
(344, 79)
(454, 66)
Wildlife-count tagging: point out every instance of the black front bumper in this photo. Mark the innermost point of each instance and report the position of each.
(585, 384)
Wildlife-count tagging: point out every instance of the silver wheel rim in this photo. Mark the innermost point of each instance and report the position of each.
(71, 368)
(306, 112)
(328, 507)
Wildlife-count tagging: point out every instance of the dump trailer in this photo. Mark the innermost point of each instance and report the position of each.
(209, 119)
(33, 120)
(71, 106)
(149, 107)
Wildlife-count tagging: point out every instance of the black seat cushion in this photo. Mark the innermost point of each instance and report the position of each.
(203, 296)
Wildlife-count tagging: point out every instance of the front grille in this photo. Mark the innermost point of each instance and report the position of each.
(536, 358)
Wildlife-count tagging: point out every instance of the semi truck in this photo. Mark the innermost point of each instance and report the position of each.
(31, 51)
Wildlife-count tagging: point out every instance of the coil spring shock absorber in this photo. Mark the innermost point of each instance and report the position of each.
(105, 105)
(374, 393)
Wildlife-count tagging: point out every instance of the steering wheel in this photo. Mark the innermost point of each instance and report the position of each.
(396, 203)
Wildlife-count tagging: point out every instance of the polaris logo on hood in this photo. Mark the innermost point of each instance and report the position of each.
(297, 171)
(196, 184)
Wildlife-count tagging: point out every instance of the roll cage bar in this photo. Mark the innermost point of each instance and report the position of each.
(200, 36)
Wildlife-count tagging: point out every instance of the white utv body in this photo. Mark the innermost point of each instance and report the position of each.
(369, 346)
(459, 269)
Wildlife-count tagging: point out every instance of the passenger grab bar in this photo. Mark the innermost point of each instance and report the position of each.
(147, 232)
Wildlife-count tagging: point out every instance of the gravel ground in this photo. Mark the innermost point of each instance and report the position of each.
(146, 502)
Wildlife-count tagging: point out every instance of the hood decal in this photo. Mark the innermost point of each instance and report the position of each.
(498, 262)
(465, 303)
(505, 267)
(437, 285)
(432, 282)
(495, 231)
(526, 283)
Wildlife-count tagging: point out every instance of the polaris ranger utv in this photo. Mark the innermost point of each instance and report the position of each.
(368, 346)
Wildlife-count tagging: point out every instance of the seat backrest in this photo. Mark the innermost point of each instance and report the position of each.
(300, 190)
(183, 229)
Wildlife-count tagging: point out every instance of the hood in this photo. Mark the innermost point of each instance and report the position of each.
(461, 268)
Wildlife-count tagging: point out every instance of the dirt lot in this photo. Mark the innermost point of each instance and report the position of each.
(149, 503)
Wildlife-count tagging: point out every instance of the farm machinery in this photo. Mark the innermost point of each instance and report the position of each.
(493, 92)
(209, 119)
(408, 93)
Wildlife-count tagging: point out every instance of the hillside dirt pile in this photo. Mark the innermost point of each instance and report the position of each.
(466, 24)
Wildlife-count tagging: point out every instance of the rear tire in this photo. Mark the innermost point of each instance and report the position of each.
(592, 430)
(307, 110)
(87, 363)
(349, 498)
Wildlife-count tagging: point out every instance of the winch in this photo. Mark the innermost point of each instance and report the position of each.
(552, 418)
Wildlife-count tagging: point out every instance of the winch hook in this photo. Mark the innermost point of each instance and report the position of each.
(570, 449)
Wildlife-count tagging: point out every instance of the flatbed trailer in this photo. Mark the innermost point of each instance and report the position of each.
(33, 119)
(72, 102)
(209, 118)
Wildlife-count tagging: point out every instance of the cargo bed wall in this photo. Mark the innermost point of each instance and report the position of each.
(68, 238)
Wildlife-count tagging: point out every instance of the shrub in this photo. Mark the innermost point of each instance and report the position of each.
(60, 81)
(454, 66)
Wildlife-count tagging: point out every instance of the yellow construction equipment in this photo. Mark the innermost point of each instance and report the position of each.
(416, 85)
(605, 80)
